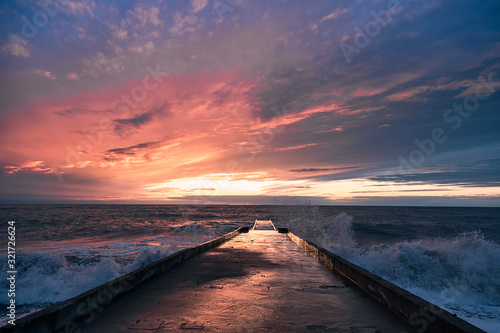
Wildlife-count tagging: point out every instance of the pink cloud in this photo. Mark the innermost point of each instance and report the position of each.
(336, 129)
(401, 96)
(364, 92)
(319, 96)
(301, 146)
(43, 73)
(348, 111)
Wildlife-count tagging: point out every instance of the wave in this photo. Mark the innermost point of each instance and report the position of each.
(460, 274)
(47, 278)
(51, 272)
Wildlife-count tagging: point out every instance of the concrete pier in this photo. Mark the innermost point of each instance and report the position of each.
(263, 225)
(259, 281)
(263, 280)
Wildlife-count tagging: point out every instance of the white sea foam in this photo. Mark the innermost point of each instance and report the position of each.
(46, 278)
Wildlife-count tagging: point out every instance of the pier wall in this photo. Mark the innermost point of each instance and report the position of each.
(425, 316)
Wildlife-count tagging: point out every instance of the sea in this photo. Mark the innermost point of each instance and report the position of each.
(449, 256)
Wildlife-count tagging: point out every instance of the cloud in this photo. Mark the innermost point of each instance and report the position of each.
(100, 63)
(198, 5)
(185, 23)
(78, 8)
(17, 46)
(135, 149)
(339, 11)
(322, 169)
(141, 16)
(333, 15)
(122, 125)
(146, 48)
(119, 32)
(423, 200)
(484, 173)
(45, 74)
(73, 76)
(409, 190)
(363, 92)
(269, 95)
(30, 167)
(37, 166)
(137, 121)
(78, 111)
(82, 33)
(400, 96)
(306, 145)
(252, 199)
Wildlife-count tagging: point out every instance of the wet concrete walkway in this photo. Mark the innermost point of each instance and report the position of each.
(260, 281)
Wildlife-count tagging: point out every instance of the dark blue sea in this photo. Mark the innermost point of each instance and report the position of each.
(448, 256)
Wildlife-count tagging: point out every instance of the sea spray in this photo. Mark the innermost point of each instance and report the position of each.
(468, 264)
(460, 274)
(310, 223)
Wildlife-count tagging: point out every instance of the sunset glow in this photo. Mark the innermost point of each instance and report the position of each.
(178, 102)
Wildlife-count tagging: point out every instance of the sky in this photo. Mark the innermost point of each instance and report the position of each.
(379, 102)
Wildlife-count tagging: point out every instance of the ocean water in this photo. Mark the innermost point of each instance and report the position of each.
(448, 256)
